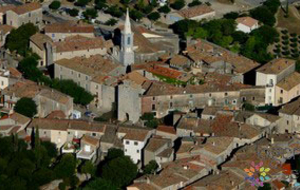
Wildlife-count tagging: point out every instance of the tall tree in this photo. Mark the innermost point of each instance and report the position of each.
(26, 106)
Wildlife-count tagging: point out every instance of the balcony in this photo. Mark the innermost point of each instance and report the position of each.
(86, 155)
(68, 148)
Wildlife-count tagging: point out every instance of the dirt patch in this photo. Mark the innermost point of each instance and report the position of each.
(292, 22)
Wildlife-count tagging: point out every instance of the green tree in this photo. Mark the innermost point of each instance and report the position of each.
(90, 13)
(111, 22)
(178, 4)
(121, 171)
(194, 3)
(51, 148)
(82, 3)
(99, 184)
(150, 120)
(151, 167)
(88, 168)
(28, 66)
(73, 12)
(231, 15)
(249, 107)
(26, 106)
(264, 15)
(66, 167)
(114, 153)
(114, 11)
(18, 39)
(164, 9)
(298, 66)
(154, 16)
(54, 5)
(200, 33)
(135, 14)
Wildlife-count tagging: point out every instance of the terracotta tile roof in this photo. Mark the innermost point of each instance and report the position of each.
(5, 28)
(166, 153)
(224, 126)
(218, 145)
(6, 127)
(14, 130)
(248, 21)
(166, 129)
(78, 43)
(40, 39)
(69, 28)
(142, 186)
(156, 143)
(142, 44)
(25, 8)
(24, 88)
(289, 82)
(160, 88)
(19, 118)
(210, 110)
(269, 117)
(208, 52)
(93, 66)
(197, 125)
(136, 77)
(90, 140)
(65, 124)
(291, 108)
(57, 114)
(276, 66)
(13, 72)
(195, 11)
(5, 8)
(134, 133)
(179, 60)
(55, 95)
(224, 180)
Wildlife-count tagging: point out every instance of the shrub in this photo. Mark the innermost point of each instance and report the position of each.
(111, 22)
(178, 4)
(294, 44)
(285, 42)
(285, 47)
(293, 39)
(194, 3)
(286, 53)
(154, 16)
(285, 37)
(284, 31)
(164, 9)
(54, 5)
(73, 12)
(293, 34)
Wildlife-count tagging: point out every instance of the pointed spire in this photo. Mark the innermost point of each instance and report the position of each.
(127, 27)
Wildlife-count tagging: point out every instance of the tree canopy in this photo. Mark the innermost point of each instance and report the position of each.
(26, 106)
(54, 5)
(18, 39)
(178, 4)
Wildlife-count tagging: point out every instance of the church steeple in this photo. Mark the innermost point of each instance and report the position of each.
(127, 27)
(127, 54)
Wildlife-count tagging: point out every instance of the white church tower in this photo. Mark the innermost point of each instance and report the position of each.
(127, 54)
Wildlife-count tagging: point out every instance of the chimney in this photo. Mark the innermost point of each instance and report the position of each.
(272, 140)
(213, 143)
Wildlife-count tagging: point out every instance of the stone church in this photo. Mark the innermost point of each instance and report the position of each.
(136, 44)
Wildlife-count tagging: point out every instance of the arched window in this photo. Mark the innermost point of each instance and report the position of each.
(128, 40)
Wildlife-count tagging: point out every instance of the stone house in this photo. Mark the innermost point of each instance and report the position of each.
(271, 74)
(15, 119)
(61, 31)
(3, 10)
(180, 62)
(9, 76)
(23, 14)
(4, 31)
(49, 100)
(71, 47)
(197, 13)
(134, 141)
(287, 89)
(246, 24)
(290, 113)
(89, 148)
(64, 131)
(96, 74)
(166, 132)
(209, 57)
(158, 149)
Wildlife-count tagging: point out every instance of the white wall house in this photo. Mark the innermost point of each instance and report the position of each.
(246, 24)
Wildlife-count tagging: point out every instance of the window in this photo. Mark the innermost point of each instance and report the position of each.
(78, 75)
(128, 40)
(45, 132)
(253, 98)
(191, 95)
(171, 104)
(2, 83)
(153, 106)
(281, 91)
(226, 101)
(270, 90)
(29, 14)
(233, 101)
(136, 143)
(127, 142)
(137, 151)
(153, 98)
(60, 68)
(171, 97)
(69, 132)
(244, 99)
(125, 150)
(96, 87)
(94, 134)
(287, 122)
(226, 93)
(209, 95)
(53, 35)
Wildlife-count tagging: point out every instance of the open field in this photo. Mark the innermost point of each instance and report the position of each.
(291, 23)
